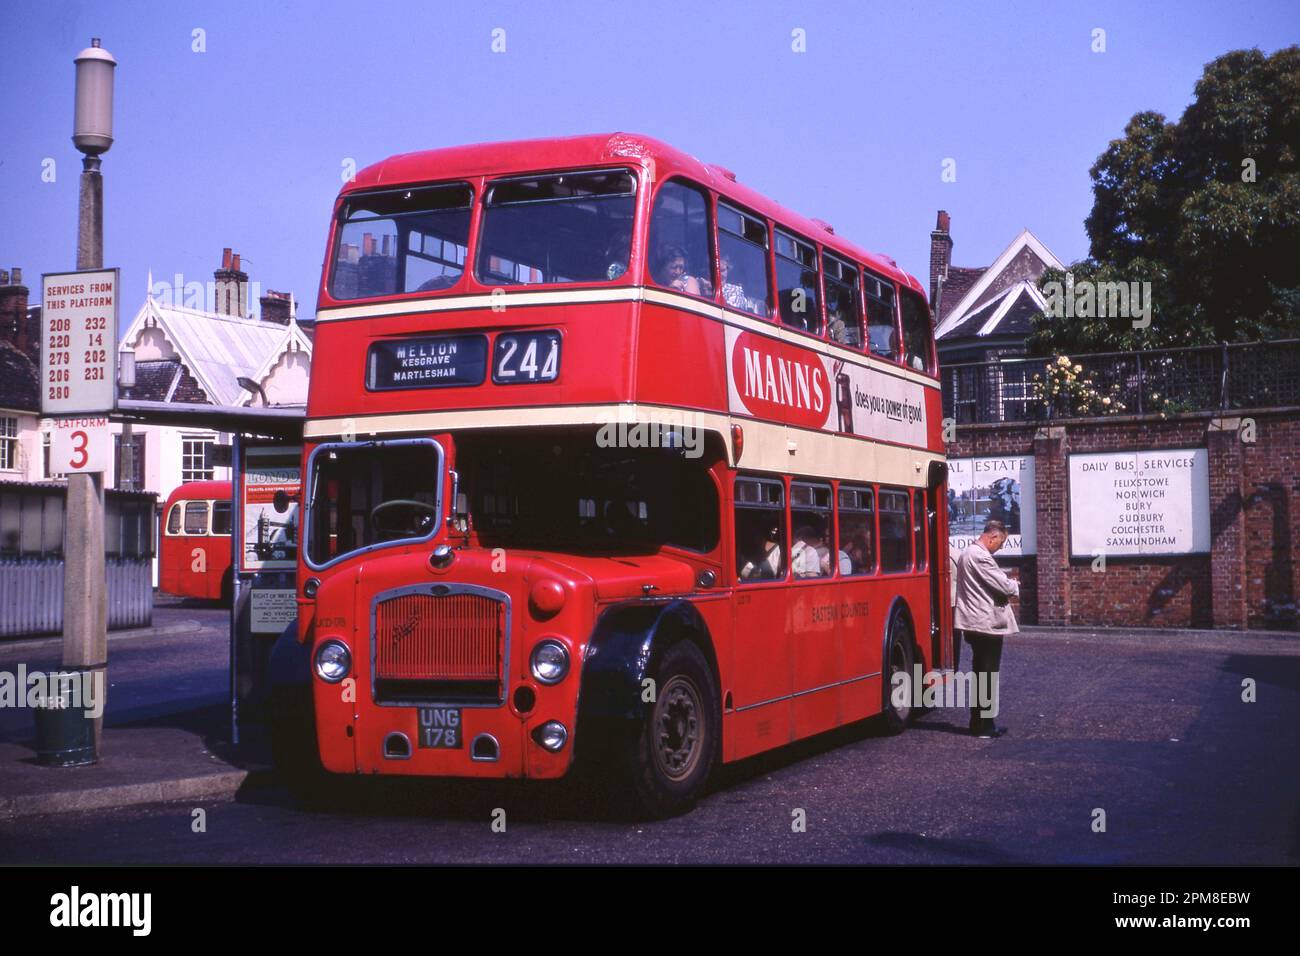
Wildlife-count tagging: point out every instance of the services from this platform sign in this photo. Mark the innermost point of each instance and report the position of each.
(1140, 503)
(79, 342)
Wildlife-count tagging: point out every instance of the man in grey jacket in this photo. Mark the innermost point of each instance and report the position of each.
(983, 613)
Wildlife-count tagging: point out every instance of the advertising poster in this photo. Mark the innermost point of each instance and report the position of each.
(782, 382)
(1140, 503)
(984, 488)
(271, 493)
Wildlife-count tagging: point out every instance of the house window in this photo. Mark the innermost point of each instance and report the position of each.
(194, 459)
(47, 439)
(8, 443)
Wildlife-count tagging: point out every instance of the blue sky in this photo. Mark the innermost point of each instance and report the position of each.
(243, 145)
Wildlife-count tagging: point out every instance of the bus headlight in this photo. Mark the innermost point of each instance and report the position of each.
(552, 736)
(333, 661)
(550, 662)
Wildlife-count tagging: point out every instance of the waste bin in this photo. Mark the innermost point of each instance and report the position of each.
(65, 735)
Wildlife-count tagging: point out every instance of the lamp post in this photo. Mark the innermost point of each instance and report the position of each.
(85, 601)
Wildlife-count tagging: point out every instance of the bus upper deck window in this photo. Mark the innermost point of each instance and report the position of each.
(742, 254)
(680, 256)
(567, 227)
(402, 240)
(796, 283)
(843, 318)
(882, 328)
(916, 332)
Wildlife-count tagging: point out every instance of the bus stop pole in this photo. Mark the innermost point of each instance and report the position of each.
(85, 601)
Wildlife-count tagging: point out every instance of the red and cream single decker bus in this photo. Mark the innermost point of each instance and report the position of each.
(195, 554)
(611, 463)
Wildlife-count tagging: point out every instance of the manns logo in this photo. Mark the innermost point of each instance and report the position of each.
(780, 382)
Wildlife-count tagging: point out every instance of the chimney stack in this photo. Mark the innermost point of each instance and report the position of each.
(275, 307)
(16, 327)
(940, 259)
(232, 286)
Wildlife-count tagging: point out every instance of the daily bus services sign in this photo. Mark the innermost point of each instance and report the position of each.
(1139, 503)
(79, 342)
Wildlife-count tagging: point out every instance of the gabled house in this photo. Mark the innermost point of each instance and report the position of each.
(198, 357)
(985, 314)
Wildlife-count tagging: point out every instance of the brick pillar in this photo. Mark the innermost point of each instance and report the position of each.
(1227, 523)
(1051, 505)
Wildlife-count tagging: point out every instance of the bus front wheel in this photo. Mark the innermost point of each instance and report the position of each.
(675, 748)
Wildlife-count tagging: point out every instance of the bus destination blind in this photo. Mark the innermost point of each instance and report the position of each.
(429, 362)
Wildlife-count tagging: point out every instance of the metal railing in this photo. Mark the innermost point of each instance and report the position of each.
(1155, 382)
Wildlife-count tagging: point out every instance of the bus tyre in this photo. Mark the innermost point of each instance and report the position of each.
(675, 748)
(898, 659)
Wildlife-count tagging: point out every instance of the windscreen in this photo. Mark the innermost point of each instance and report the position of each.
(370, 494)
(568, 227)
(398, 241)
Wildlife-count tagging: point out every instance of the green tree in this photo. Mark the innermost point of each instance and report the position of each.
(1206, 209)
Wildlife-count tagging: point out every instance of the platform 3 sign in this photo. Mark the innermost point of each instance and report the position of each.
(1140, 503)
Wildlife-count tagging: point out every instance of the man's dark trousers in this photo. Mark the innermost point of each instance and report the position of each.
(986, 653)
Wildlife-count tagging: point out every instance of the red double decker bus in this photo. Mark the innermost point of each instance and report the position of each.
(611, 462)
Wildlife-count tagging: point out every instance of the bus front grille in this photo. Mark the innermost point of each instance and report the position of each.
(447, 647)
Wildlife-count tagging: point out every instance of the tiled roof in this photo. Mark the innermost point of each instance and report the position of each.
(216, 349)
(955, 287)
(153, 380)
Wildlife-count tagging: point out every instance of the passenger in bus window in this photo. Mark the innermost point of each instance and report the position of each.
(809, 555)
(733, 293)
(766, 560)
(617, 253)
(670, 270)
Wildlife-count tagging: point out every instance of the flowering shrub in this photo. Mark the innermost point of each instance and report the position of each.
(1067, 390)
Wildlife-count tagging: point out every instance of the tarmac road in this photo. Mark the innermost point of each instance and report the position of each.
(1149, 729)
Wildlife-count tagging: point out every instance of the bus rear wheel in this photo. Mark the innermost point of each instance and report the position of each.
(675, 748)
(898, 659)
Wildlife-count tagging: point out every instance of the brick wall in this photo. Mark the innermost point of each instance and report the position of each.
(1250, 578)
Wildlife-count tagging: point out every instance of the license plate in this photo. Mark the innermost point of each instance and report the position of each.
(440, 728)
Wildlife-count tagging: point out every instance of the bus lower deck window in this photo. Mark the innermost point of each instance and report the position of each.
(760, 529)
